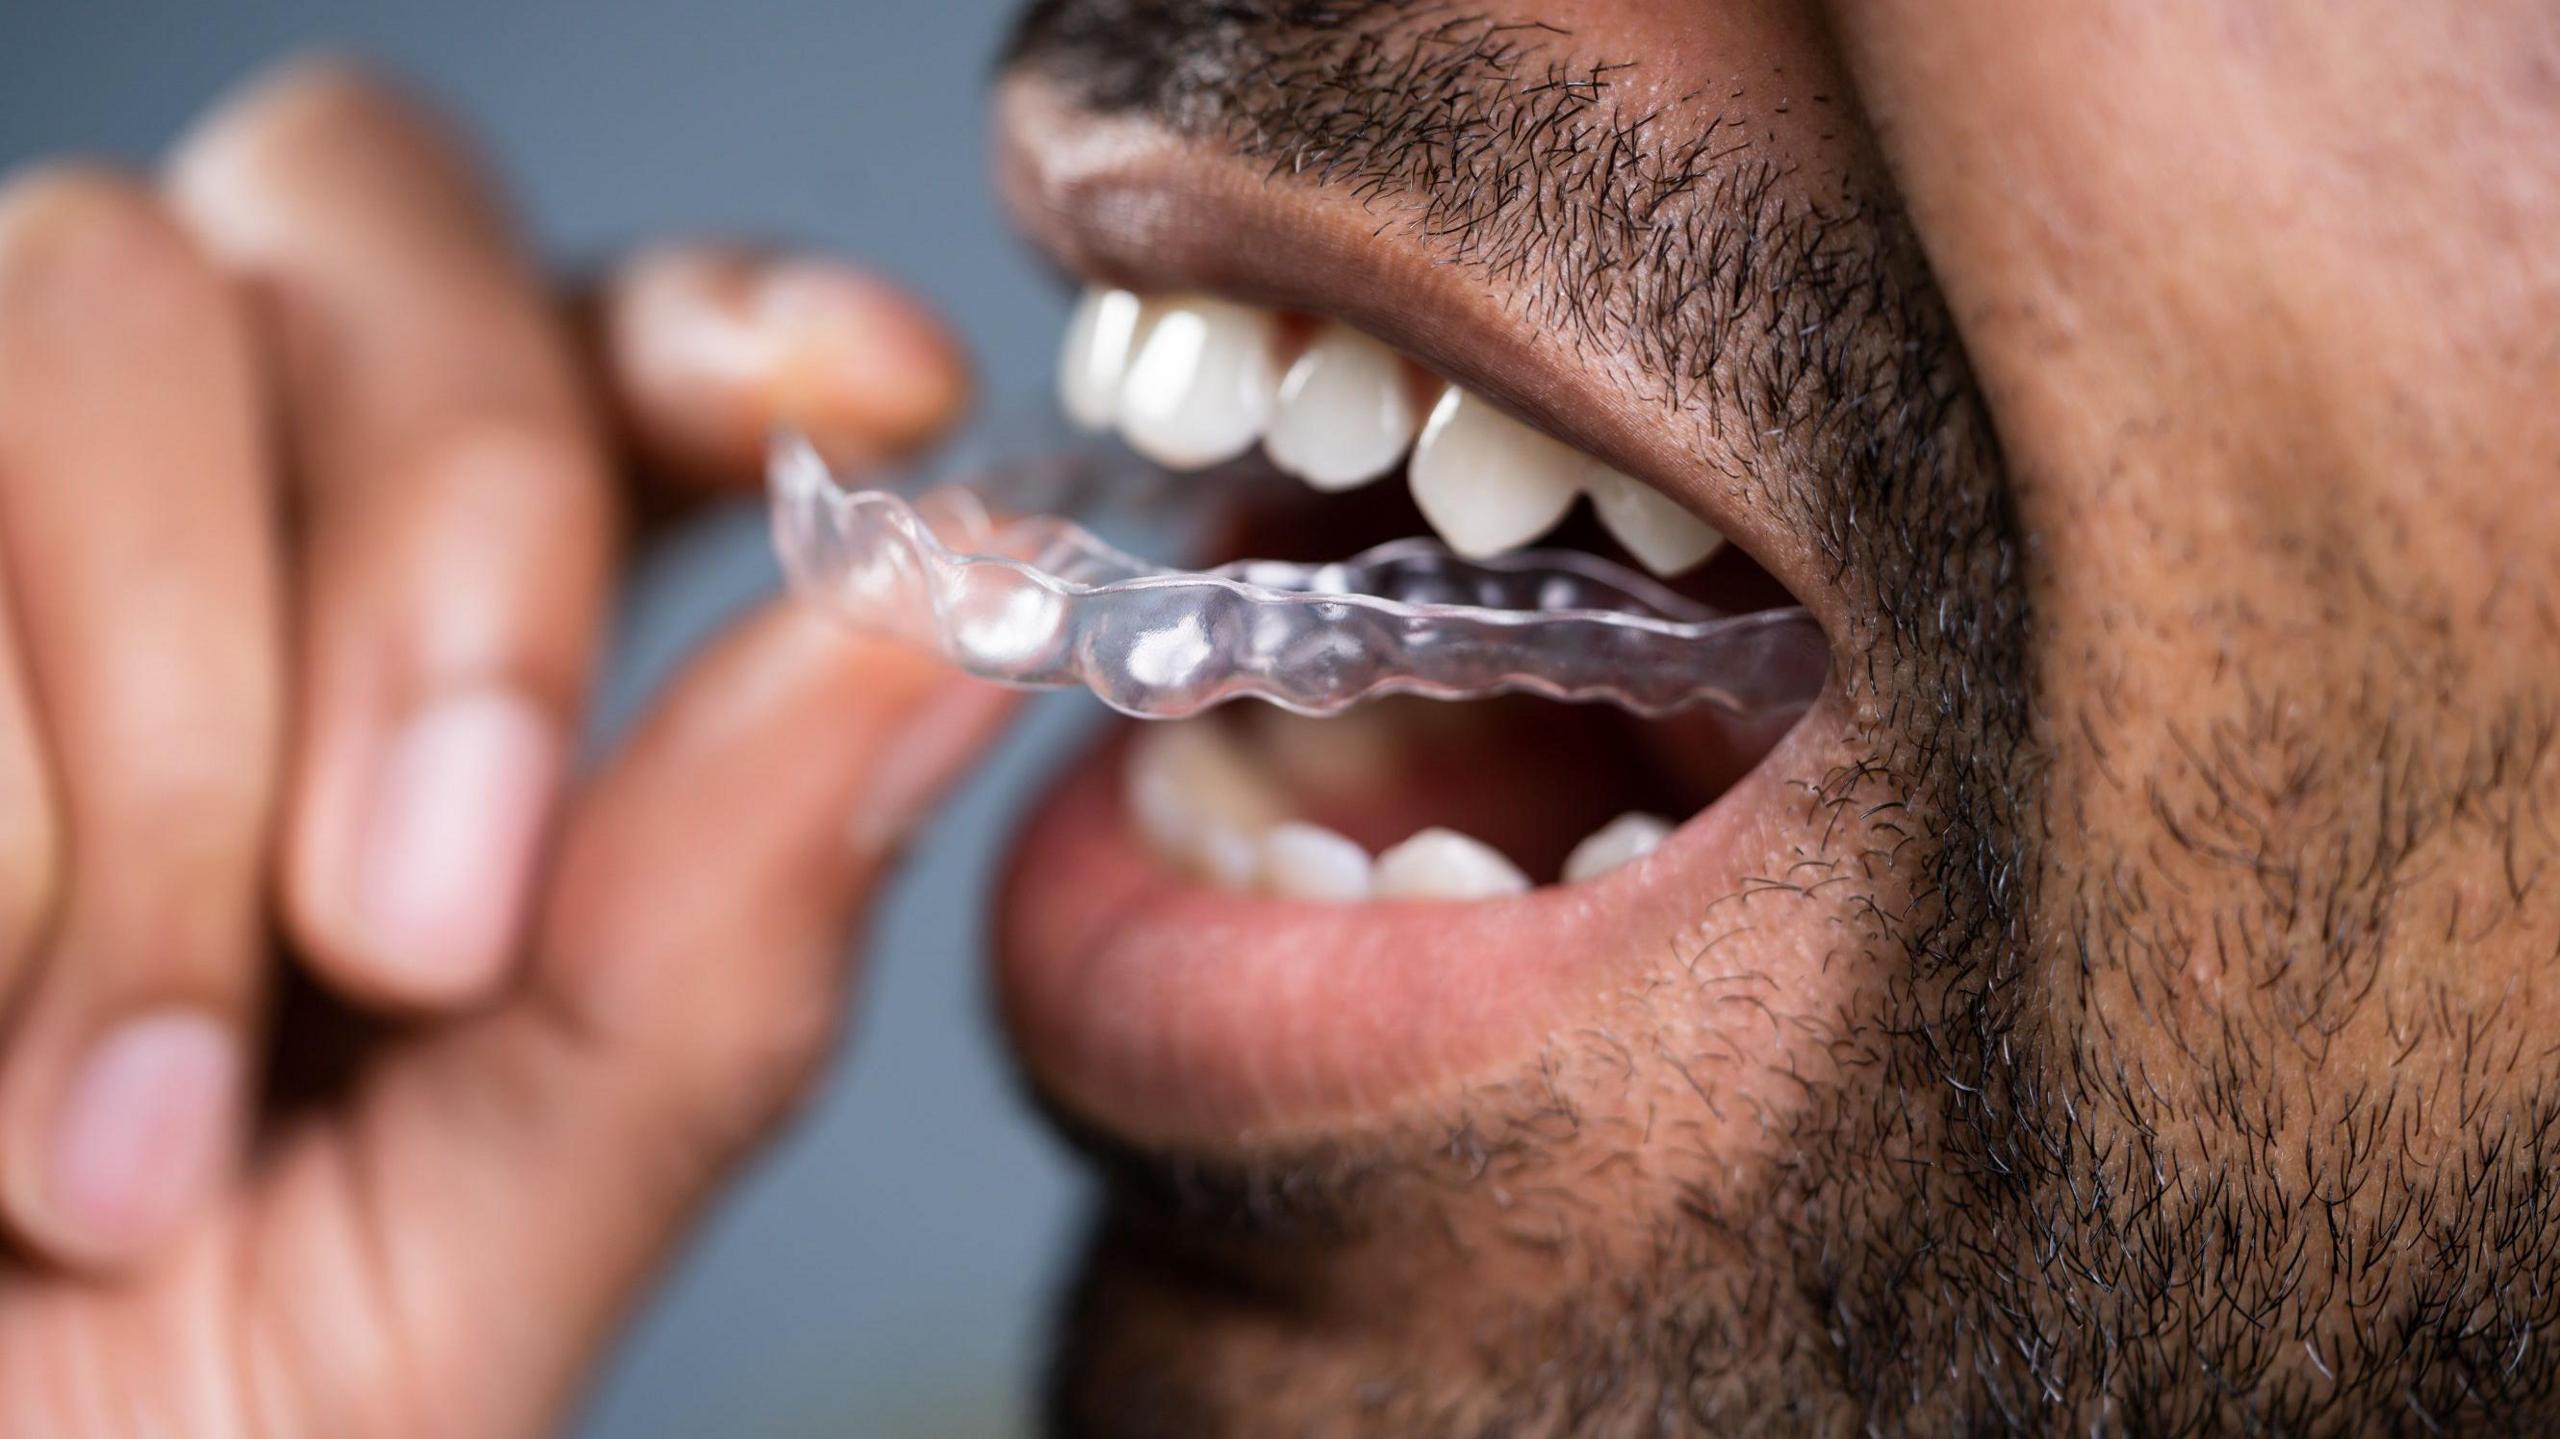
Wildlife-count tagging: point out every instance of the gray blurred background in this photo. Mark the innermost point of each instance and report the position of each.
(888, 1271)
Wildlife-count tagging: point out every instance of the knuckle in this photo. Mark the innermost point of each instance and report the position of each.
(200, 801)
(72, 220)
(90, 261)
(167, 869)
(314, 94)
(310, 116)
(319, 86)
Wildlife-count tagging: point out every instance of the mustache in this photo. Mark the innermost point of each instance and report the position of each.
(1789, 320)
(1121, 54)
(1802, 318)
(1663, 233)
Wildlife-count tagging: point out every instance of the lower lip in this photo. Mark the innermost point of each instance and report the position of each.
(1178, 1015)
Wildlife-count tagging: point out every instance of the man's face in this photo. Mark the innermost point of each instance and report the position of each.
(2121, 1002)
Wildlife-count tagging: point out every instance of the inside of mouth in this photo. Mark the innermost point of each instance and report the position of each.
(1404, 798)
(1481, 576)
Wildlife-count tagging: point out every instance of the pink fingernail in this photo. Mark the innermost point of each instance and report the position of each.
(444, 867)
(145, 1129)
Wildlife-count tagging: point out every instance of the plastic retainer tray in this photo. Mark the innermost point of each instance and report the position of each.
(1038, 600)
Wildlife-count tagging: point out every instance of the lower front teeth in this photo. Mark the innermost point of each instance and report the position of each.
(1201, 802)
(1198, 801)
(1306, 861)
(1626, 838)
(1444, 864)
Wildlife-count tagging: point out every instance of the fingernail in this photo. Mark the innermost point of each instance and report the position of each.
(144, 1131)
(852, 355)
(444, 866)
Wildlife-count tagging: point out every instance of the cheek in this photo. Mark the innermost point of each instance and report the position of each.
(2294, 833)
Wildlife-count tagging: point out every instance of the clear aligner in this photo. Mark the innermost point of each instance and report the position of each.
(1036, 599)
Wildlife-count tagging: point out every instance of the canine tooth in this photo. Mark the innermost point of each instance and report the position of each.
(1345, 414)
(1197, 801)
(1306, 861)
(1664, 537)
(1487, 482)
(1095, 357)
(1444, 864)
(1629, 836)
(1200, 388)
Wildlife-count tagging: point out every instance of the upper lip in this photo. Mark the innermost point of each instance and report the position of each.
(1123, 202)
(1174, 1014)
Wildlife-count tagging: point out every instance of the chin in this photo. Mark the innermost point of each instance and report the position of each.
(1502, 1066)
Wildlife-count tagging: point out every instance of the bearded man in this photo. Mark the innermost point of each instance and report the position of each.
(2119, 1000)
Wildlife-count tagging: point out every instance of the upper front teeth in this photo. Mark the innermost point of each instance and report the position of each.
(1667, 538)
(1487, 482)
(1193, 381)
(1200, 387)
(1346, 412)
(1101, 336)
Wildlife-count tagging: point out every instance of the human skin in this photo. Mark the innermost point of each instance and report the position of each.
(400, 1113)
(2151, 1034)
(2156, 1049)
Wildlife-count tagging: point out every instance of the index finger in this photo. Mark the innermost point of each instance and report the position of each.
(459, 524)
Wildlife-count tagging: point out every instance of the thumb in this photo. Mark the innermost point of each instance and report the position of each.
(703, 350)
(692, 973)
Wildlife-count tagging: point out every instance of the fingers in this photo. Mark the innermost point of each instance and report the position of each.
(459, 526)
(138, 534)
(30, 823)
(692, 973)
(805, 755)
(706, 350)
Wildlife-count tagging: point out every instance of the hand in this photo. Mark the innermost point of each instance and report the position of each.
(362, 1057)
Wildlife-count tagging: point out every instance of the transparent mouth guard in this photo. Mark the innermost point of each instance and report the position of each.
(991, 569)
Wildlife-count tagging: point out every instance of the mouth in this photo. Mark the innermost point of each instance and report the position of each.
(1255, 926)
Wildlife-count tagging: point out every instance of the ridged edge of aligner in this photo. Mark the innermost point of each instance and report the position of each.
(1039, 601)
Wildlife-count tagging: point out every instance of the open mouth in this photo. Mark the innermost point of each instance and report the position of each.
(1254, 923)
(1401, 800)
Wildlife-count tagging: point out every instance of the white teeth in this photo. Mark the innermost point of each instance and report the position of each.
(1200, 388)
(1190, 383)
(1305, 861)
(1202, 802)
(1227, 858)
(1487, 482)
(1100, 336)
(1628, 837)
(1345, 414)
(1199, 801)
(1666, 538)
(1444, 864)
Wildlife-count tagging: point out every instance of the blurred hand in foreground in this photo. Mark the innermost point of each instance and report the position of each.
(362, 1059)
